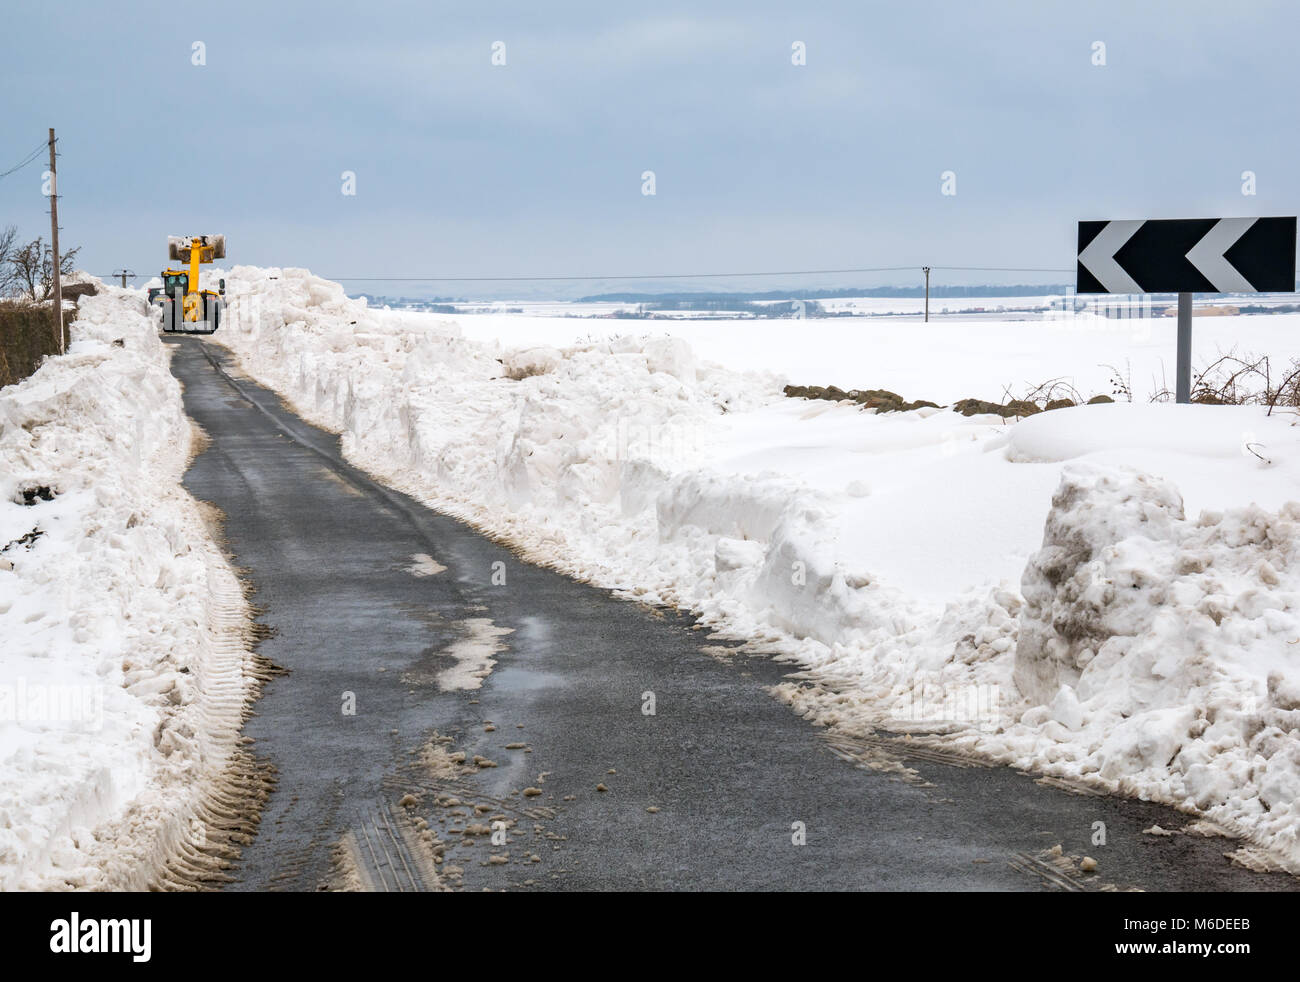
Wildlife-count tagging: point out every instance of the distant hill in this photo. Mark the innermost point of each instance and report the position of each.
(878, 291)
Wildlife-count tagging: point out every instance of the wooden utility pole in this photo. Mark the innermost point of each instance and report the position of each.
(926, 270)
(54, 245)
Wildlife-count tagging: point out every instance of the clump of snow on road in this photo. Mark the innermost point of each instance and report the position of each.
(120, 686)
(1105, 593)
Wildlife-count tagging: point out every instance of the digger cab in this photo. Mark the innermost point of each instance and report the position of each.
(174, 285)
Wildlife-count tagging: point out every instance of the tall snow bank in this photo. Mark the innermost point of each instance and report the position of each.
(121, 682)
(593, 458)
(567, 451)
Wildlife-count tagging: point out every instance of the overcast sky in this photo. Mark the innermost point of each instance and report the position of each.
(534, 167)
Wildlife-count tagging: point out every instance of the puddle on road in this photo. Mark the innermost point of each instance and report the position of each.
(515, 679)
(536, 630)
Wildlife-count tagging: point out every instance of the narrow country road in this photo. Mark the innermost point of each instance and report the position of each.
(385, 615)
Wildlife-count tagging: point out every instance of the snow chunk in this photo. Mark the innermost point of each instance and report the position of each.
(672, 356)
(531, 361)
(1097, 579)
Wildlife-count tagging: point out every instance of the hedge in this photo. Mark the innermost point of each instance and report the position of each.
(26, 337)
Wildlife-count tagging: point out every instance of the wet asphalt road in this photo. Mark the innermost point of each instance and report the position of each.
(329, 553)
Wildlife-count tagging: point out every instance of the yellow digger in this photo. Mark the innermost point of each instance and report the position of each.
(185, 308)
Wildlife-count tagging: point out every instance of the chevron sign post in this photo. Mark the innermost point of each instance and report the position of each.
(1187, 256)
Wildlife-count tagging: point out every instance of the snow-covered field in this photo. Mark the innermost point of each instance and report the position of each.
(1108, 593)
(941, 361)
(122, 665)
(571, 309)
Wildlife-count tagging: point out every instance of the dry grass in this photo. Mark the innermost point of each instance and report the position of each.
(1231, 379)
(1242, 380)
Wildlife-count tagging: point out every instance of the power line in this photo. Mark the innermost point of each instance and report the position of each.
(1005, 269)
(29, 159)
(698, 276)
(632, 276)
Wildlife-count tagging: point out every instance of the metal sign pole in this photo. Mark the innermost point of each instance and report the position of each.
(1183, 385)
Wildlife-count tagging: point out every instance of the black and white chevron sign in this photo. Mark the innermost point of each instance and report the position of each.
(1188, 255)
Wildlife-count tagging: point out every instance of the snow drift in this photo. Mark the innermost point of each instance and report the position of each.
(122, 681)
